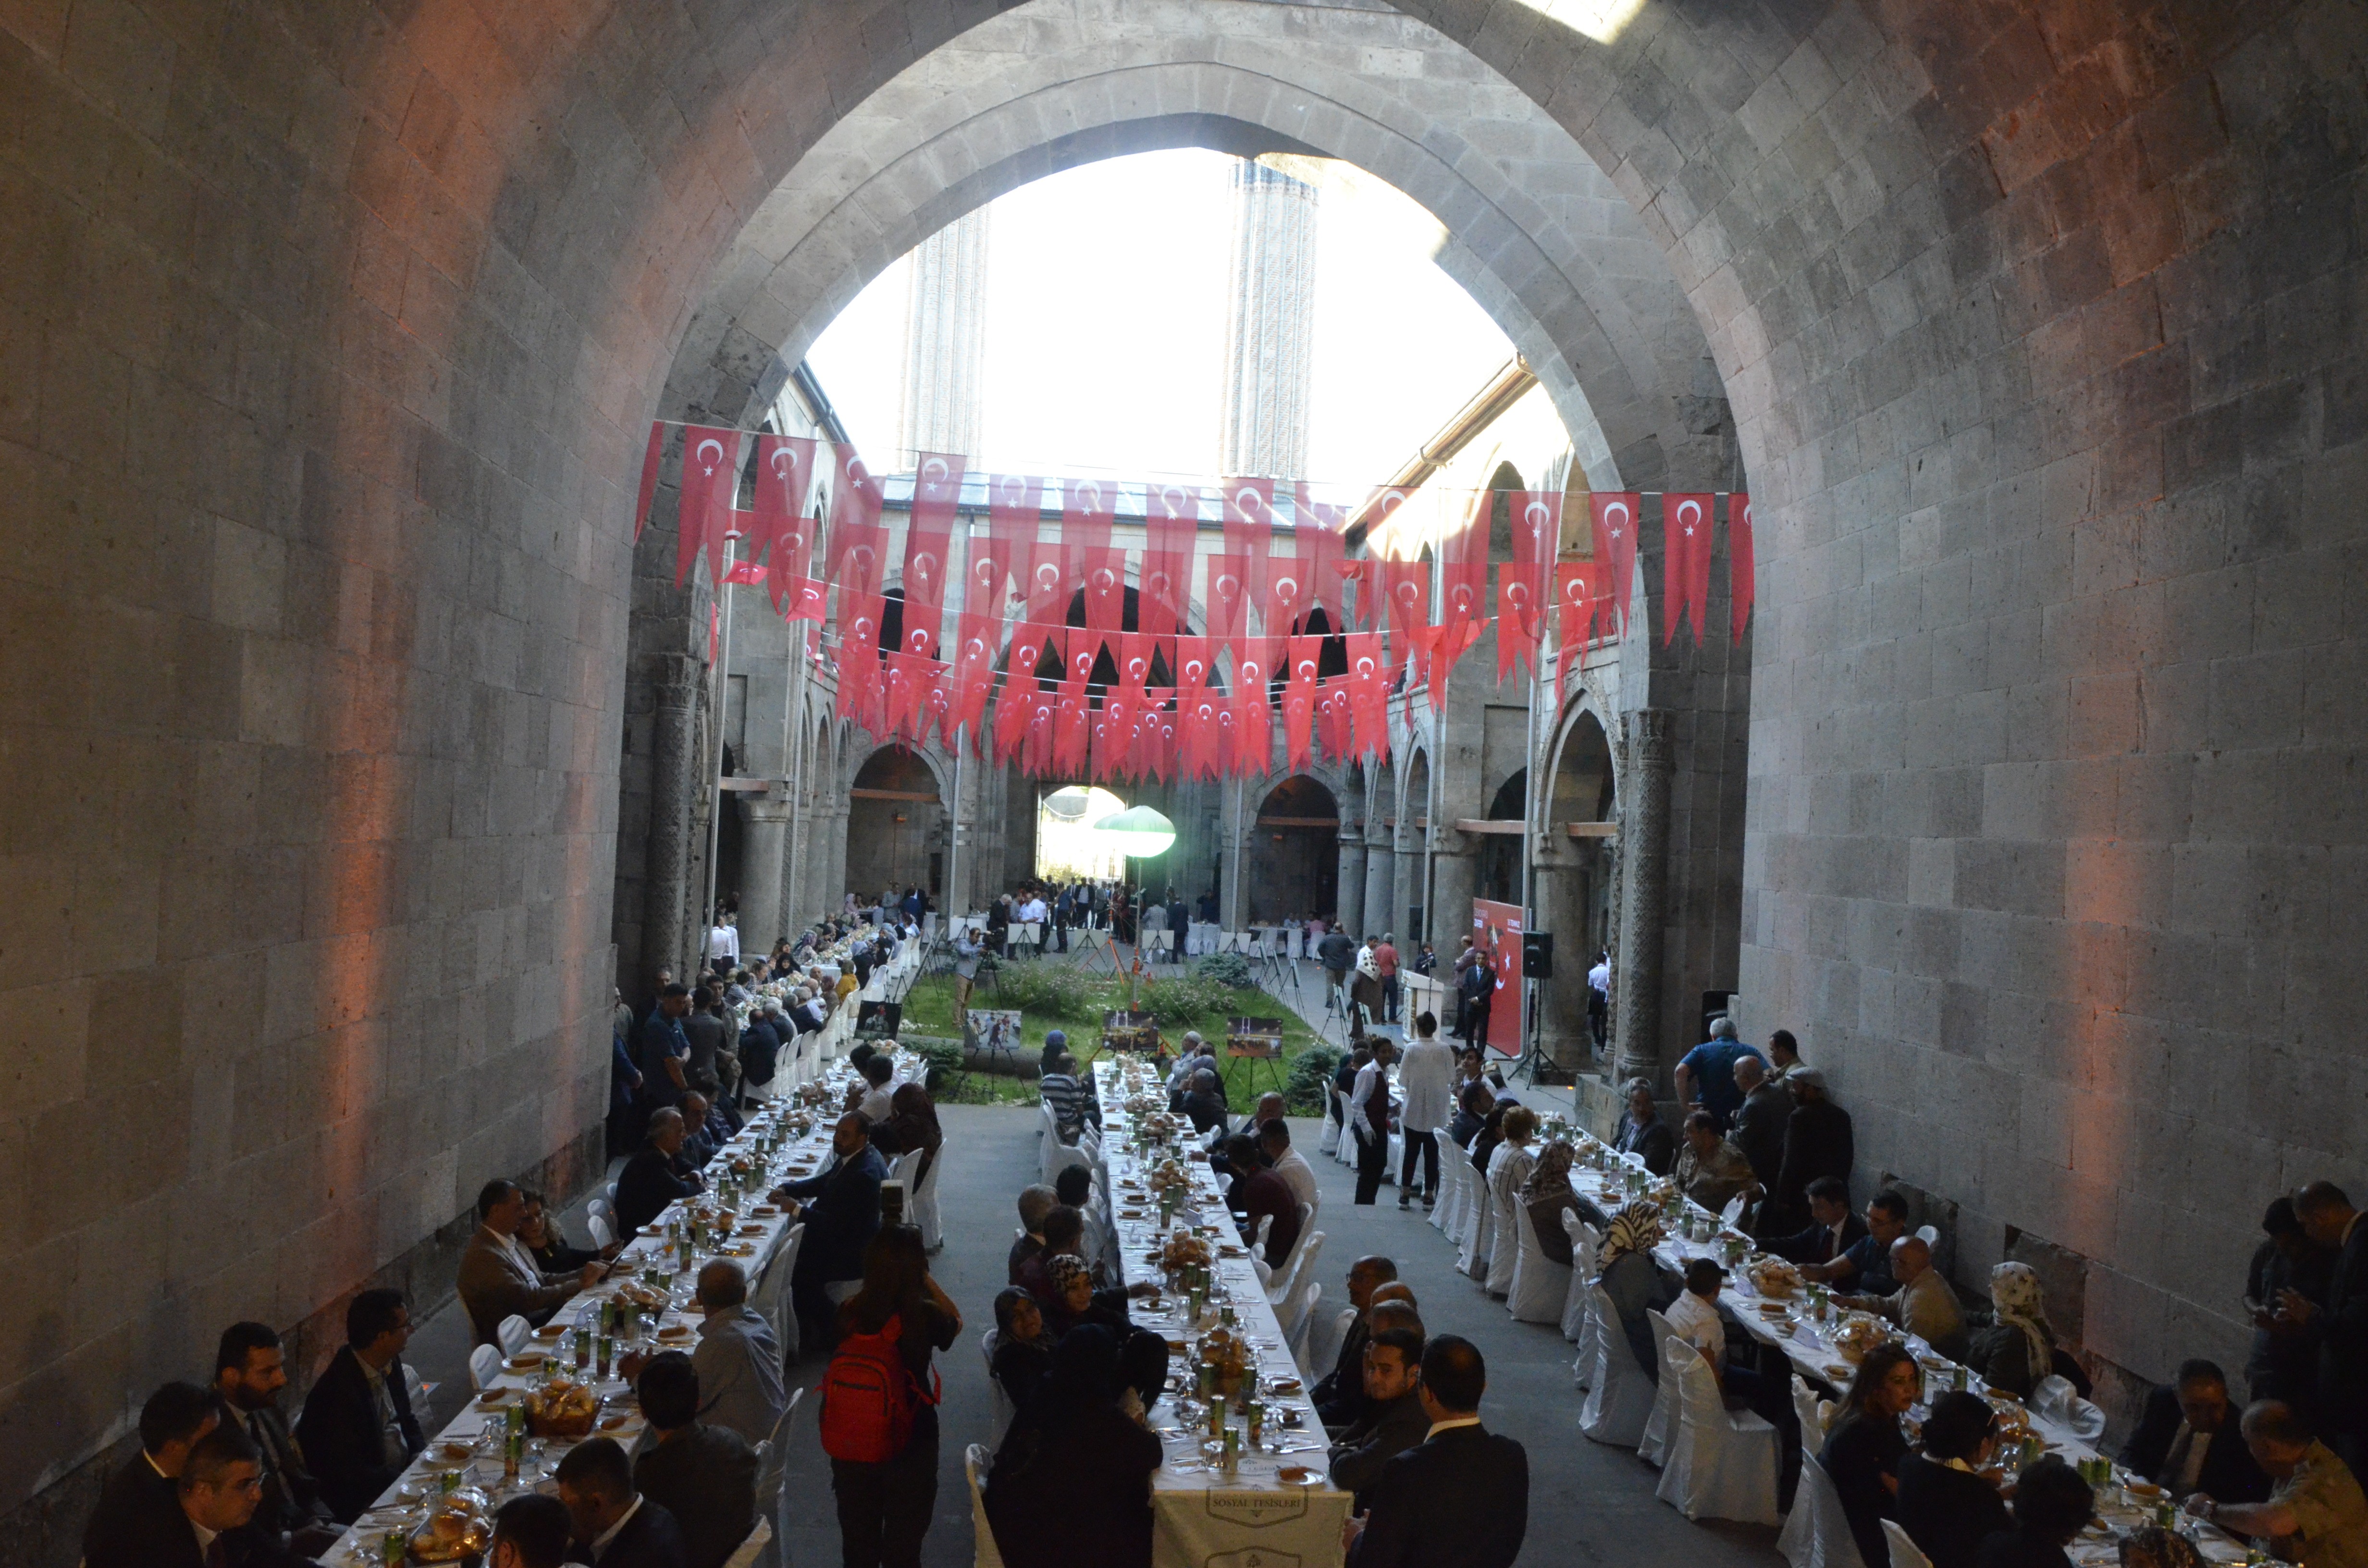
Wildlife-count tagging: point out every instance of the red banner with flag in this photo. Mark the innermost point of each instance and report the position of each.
(782, 534)
(1015, 505)
(710, 484)
(1740, 564)
(1406, 597)
(1171, 530)
(1685, 562)
(1613, 518)
(1104, 572)
(1463, 568)
(1248, 512)
(1578, 591)
(1496, 932)
(928, 548)
(856, 502)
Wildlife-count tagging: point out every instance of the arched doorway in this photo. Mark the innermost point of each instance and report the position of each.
(1498, 874)
(1573, 891)
(895, 825)
(1292, 859)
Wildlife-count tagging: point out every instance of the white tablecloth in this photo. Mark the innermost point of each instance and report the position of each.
(1201, 1517)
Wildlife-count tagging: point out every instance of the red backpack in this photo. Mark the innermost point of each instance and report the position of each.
(869, 1397)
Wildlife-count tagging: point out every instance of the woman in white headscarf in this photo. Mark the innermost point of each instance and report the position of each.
(2018, 1347)
(1630, 1278)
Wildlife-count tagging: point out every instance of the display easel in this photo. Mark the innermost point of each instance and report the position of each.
(1253, 1041)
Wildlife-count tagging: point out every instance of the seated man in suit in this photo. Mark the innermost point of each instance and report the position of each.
(840, 1206)
(1339, 1394)
(1949, 1509)
(2187, 1442)
(138, 1520)
(216, 1496)
(1394, 1421)
(250, 1369)
(531, 1532)
(656, 1175)
(499, 1278)
(616, 1527)
(1458, 1499)
(357, 1429)
(705, 1476)
(1832, 1231)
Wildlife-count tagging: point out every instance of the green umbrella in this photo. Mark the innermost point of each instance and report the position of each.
(1138, 831)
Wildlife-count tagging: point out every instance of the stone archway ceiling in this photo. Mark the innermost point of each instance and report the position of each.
(1539, 234)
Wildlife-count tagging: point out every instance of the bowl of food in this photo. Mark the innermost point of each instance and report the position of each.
(562, 1409)
(460, 1531)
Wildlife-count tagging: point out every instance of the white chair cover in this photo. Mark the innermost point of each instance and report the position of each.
(1816, 1535)
(1291, 1311)
(752, 1547)
(1258, 1241)
(1583, 1243)
(780, 1505)
(1504, 1200)
(2052, 1396)
(1001, 1414)
(772, 1294)
(1903, 1552)
(513, 1333)
(598, 1229)
(1299, 1337)
(1441, 1211)
(775, 1463)
(1540, 1287)
(976, 1460)
(1324, 1341)
(1663, 1422)
(1618, 1395)
(1479, 1230)
(599, 1206)
(1809, 1410)
(925, 1204)
(484, 1366)
(1721, 1463)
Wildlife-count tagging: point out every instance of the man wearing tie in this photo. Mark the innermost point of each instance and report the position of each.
(2187, 1440)
(250, 1369)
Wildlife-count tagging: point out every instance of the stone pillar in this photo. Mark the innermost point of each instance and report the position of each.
(1451, 877)
(1380, 886)
(765, 823)
(1561, 1000)
(1350, 895)
(1644, 896)
(1407, 865)
(673, 772)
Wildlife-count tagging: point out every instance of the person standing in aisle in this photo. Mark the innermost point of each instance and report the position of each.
(1369, 1119)
(1428, 1077)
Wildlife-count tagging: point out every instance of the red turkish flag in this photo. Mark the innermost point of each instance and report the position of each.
(1406, 595)
(1135, 653)
(1085, 647)
(1105, 588)
(711, 482)
(1612, 517)
(1463, 568)
(1047, 583)
(803, 598)
(1197, 733)
(1290, 592)
(1317, 528)
(782, 535)
(856, 501)
(1249, 531)
(1087, 508)
(1298, 716)
(1685, 562)
(1229, 752)
(1579, 590)
(1073, 728)
(928, 544)
(1171, 529)
(1445, 647)
(1253, 708)
(1228, 597)
(1537, 537)
(651, 460)
(1015, 505)
(1368, 693)
(1740, 562)
(863, 563)
(1192, 664)
(973, 671)
(746, 572)
(1036, 651)
(1516, 646)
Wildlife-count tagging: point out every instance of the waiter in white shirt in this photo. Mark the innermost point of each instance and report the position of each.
(1369, 1118)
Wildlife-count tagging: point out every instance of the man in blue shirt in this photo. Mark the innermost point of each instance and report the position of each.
(1706, 1076)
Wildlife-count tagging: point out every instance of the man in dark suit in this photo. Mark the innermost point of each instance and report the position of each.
(139, 1520)
(1833, 1229)
(2339, 1330)
(1817, 1142)
(1394, 1421)
(655, 1175)
(214, 1503)
(357, 1429)
(250, 1369)
(1461, 1498)
(2187, 1440)
(616, 1527)
(705, 1476)
(1339, 1394)
(841, 1206)
(531, 1531)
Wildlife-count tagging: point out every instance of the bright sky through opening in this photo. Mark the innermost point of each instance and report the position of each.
(1106, 327)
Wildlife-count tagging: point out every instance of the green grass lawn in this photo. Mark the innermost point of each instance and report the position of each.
(1053, 995)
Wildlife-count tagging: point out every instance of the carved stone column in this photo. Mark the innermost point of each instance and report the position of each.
(673, 772)
(1645, 895)
(1406, 866)
(1380, 888)
(1349, 900)
(765, 821)
(1451, 877)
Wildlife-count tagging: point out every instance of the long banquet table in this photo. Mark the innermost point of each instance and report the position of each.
(1274, 1505)
(470, 1445)
(1809, 1344)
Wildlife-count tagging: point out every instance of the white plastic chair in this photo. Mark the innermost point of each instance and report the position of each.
(1441, 1212)
(1299, 1338)
(1816, 1533)
(1583, 1243)
(779, 1507)
(514, 1333)
(1663, 1421)
(782, 1310)
(1292, 1312)
(1930, 1235)
(598, 1228)
(925, 1204)
(1540, 1287)
(601, 1208)
(1257, 1241)
(976, 1460)
(1810, 1411)
(1001, 1410)
(1618, 1395)
(1903, 1552)
(484, 1366)
(773, 1464)
(1720, 1463)
(752, 1546)
(1323, 1343)
(1479, 1230)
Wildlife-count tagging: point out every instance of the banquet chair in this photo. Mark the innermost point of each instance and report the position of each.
(598, 1230)
(1618, 1395)
(1324, 1344)
(1479, 1233)
(1300, 1339)
(601, 1207)
(1540, 1287)
(1810, 1412)
(1442, 1213)
(608, 1196)
(513, 1333)
(976, 1460)
(484, 1366)
(900, 1171)
(1719, 1463)
(777, 1502)
(1816, 1533)
(1583, 1243)
(1060, 1156)
(1903, 1552)
(1307, 1214)
(925, 1204)
(1505, 1230)
(778, 1308)
(2053, 1396)
(1929, 1235)
(1662, 1423)
(752, 1547)
(1002, 1410)
(1291, 1311)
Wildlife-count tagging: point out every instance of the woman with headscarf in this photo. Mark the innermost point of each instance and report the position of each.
(1548, 1194)
(1078, 1304)
(1071, 1486)
(2018, 1347)
(911, 1123)
(1630, 1278)
(1023, 1349)
(1142, 1372)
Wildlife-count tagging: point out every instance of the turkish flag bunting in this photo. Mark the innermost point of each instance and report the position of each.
(1580, 591)
(1229, 749)
(1298, 720)
(1085, 647)
(1192, 664)
(1227, 599)
(859, 651)
(1740, 564)
(803, 598)
(1290, 587)
(1405, 595)
(1537, 538)
(1087, 508)
(711, 482)
(929, 546)
(1516, 647)
(1321, 552)
(651, 458)
(1171, 527)
(1072, 728)
(783, 536)
(1015, 505)
(1196, 733)
(746, 572)
(863, 564)
(1463, 572)
(973, 672)
(855, 504)
(1105, 583)
(1368, 693)
(1250, 532)
(1136, 651)
(1685, 562)
(1253, 708)
(1446, 645)
(1612, 517)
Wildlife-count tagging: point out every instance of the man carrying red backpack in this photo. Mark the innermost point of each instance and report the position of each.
(880, 1402)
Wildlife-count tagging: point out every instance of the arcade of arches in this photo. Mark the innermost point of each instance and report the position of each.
(363, 761)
